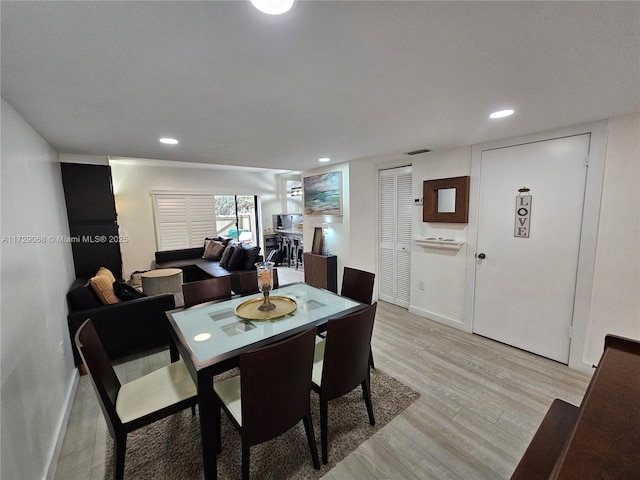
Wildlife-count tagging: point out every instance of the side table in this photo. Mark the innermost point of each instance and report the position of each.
(164, 280)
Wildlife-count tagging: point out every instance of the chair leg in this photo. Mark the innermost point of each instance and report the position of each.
(119, 451)
(311, 440)
(371, 364)
(366, 391)
(217, 409)
(324, 421)
(245, 460)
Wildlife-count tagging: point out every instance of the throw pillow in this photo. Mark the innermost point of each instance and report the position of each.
(103, 286)
(237, 260)
(107, 272)
(252, 257)
(226, 255)
(214, 250)
(126, 292)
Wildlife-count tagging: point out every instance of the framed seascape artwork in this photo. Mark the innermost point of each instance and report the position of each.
(323, 194)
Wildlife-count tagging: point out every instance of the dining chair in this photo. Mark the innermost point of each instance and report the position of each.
(341, 363)
(208, 290)
(358, 285)
(246, 283)
(129, 406)
(271, 394)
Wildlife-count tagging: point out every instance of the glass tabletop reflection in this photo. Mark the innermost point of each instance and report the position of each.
(215, 329)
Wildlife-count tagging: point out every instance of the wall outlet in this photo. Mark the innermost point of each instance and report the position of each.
(421, 284)
(61, 350)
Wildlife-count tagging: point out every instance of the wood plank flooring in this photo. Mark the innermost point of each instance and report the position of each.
(481, 402)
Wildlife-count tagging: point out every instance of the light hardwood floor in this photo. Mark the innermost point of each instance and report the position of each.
(481, 402)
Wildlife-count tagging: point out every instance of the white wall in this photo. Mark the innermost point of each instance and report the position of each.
(352, 236)
(442, 271)
(36, 381)
(615, 304)
(133, 184)
(615, 294)
(363, 218)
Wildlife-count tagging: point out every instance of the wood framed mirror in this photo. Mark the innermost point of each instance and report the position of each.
(446, 200)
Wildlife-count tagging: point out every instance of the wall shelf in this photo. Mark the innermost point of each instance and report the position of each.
(441, 243)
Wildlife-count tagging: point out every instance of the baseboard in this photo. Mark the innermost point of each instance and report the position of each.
(458, 324)
(62, 426)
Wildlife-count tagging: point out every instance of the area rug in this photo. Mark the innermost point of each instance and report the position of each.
(170, 449)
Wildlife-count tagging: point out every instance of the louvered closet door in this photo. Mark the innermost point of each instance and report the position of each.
(395, 236)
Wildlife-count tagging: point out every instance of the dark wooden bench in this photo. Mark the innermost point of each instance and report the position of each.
(601, 438)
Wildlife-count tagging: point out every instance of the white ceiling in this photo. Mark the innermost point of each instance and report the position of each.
(348, 80)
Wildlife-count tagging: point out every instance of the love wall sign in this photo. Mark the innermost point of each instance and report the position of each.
(523, 214)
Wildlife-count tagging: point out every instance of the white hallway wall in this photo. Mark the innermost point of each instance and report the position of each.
(615, 304)
(352, 236)
(615, 301)
(133, 184)
(36, 381)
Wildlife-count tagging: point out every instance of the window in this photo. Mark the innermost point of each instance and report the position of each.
(185, 220)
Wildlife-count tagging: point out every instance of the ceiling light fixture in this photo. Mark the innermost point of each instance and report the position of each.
(273, 7)
(169, 141)
(501, 114)
(324, 159)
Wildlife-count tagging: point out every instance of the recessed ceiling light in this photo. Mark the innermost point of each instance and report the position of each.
(273, 7)
(324, 159)
(501, 113)
(169, 141)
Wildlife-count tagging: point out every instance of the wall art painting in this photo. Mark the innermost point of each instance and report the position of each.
(323, 194)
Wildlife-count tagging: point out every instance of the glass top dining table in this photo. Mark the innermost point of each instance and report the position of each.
(210, 339)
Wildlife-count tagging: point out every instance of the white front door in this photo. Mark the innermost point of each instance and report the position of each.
(525, 286)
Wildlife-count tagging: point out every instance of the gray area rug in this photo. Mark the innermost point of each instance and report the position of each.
(170, 449)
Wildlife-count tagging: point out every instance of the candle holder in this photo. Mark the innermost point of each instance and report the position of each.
(265, 284)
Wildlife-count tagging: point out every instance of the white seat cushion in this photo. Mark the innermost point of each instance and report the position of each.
(155, 391)
(318, 361)
(230, 394)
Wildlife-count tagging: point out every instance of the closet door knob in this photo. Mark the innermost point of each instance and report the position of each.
(482, 256)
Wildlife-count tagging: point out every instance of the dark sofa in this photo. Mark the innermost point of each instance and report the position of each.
(125, 328)
(194, 267)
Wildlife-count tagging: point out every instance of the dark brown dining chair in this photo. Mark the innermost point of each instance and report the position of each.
(208, 290)
(246, 283)
(341, 363)
(358, 285)
(271, 394)
(127, 407)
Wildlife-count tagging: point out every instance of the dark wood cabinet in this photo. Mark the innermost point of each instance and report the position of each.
(321, 271)
(91, 211)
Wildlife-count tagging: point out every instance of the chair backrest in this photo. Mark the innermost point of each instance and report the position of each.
(206, 290)
(104, 378)
(276, 385)
(357, 285)
(246, 283)
(346, 352)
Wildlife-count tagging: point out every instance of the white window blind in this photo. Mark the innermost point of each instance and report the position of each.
(183, 220)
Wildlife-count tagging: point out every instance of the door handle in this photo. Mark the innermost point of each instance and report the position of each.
(481, 256)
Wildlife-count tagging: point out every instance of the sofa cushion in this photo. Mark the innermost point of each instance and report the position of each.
(237, 259)
(165, 256)
(253, 253)
(102, 284)
(213, 250)
(226, 256)
(82, 297)
(125, 291)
